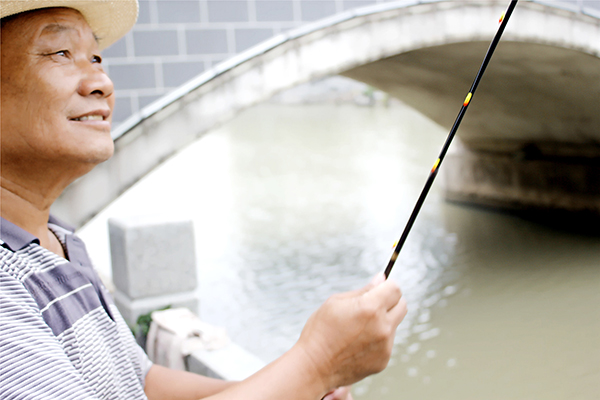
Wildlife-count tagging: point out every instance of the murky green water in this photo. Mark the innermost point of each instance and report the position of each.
(294, 203)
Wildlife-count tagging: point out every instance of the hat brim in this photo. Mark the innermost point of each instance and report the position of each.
(109, 19)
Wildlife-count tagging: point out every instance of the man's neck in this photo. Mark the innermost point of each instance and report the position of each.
(29, 211)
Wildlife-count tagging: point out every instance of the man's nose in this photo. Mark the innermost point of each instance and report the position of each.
(95, 82)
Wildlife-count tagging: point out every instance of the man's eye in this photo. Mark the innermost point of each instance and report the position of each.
(62, 53)
(97, 59)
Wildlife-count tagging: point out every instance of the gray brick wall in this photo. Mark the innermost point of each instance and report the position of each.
(228, 11)
(246, 38)
(207, 41)
(274, 11)
(175, 40)
(312, 10)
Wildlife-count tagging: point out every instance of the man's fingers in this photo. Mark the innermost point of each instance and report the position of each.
(377, 280)
(398, 312)
(342, 393)
(387, 294)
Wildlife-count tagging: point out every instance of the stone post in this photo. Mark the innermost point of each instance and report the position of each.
(153, 265)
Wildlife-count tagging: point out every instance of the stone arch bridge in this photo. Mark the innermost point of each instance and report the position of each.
(531, 138)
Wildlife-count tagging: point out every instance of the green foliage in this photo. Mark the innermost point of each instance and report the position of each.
(143, 322)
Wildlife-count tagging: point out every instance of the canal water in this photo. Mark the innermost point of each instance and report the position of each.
(294, 203)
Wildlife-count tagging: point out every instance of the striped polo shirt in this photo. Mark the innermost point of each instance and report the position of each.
(61, 336)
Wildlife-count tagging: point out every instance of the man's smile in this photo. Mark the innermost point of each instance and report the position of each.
(90, 118)
(96, 115)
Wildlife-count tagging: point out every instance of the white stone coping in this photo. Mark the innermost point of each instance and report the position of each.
(232, 363)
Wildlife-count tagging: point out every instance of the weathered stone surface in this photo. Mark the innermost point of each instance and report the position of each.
(152, 257)
(523, 181)
(153, 264)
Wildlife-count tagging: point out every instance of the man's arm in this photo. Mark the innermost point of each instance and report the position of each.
(348, 338)
(167, 384)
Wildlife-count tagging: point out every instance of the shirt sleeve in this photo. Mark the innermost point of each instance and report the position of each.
(145, 362)
(33, 364)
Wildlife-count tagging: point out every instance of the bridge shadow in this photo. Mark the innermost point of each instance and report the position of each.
(583, 223)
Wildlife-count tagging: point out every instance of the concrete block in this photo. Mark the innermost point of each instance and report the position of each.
(350, 4)
(155, 43)
(144, 12)
(117, 49)
(595, 4)
(122, 109)
(178, 11)
(134, 76)
(232, 363)
(246, 38)
(227, 11)
(312, 10)
(274, 11)
(152, 256)
(143, 101)
(174, 74)
(206, 41)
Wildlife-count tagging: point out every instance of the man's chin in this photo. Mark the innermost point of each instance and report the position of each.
(99, 154)
(103, 156)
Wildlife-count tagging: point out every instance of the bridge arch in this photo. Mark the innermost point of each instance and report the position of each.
(352, 44)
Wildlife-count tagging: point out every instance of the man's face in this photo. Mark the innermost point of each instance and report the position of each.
(56, 99)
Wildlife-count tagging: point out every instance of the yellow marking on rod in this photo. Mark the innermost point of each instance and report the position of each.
(435, 166)
(395, 244)
(467, 99)
(501, 18)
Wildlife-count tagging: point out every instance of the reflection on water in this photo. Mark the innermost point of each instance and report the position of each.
(524, 322)
(292, 204)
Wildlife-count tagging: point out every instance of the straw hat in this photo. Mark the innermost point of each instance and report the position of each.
(109, 19)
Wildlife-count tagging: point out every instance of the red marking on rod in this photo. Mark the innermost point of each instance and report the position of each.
(501, 19)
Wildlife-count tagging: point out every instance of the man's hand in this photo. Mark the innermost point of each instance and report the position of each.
(351, 335)
(346, 339)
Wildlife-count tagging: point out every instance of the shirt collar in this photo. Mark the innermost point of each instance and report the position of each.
(53, 220)
(16, 238)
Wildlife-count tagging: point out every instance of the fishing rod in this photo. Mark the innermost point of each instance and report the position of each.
(503, 21)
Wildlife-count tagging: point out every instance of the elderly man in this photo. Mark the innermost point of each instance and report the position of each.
(61, 337)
